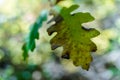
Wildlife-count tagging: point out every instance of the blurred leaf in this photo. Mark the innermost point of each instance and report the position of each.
(57, 1)
(74, 38)
(33, 34)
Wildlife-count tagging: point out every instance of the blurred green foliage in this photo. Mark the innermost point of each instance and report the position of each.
(34, 34)
(16, 17)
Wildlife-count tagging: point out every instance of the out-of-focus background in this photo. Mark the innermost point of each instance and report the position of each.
(16, 16)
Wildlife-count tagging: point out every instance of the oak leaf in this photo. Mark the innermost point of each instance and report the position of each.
(75, 39)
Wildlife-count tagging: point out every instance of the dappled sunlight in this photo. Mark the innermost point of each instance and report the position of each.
(18, 16)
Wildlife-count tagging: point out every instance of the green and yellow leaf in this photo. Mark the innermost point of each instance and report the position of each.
(75, 39)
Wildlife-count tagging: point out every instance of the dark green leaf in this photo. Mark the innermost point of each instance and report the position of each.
(33, 34)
